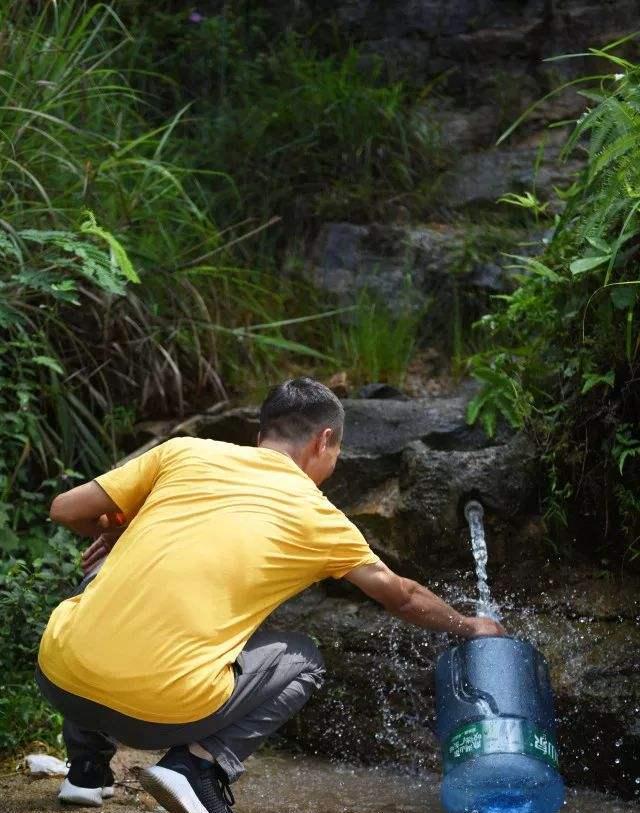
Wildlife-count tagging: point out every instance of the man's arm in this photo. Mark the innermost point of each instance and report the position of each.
(89, 511)
(101, 508)
(86, 510)
(415, 604)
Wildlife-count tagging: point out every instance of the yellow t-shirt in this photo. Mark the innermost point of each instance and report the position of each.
(219, 536)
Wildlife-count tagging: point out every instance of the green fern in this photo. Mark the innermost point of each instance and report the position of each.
(564, 357)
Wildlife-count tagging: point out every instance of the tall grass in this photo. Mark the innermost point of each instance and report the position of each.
(376, 344)
(79, 338)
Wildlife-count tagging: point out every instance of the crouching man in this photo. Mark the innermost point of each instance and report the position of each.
(164, 647)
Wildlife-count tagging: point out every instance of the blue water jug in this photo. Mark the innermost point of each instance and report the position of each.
(496, 727)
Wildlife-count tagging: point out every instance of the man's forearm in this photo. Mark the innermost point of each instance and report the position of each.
(427, 610)
(82, 527)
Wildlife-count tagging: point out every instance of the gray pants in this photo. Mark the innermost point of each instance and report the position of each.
(275, 675)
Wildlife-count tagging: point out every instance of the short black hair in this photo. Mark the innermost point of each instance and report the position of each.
(298, 408)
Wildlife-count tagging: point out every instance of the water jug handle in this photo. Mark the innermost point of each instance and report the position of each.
(466, 692)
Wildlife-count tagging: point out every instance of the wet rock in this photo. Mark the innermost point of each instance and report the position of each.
(378, 702)
(434, 485)
(427, 269)
(481, 178)
(595, 669)
(382, 391)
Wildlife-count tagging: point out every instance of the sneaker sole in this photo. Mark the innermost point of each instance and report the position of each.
(87, 797)
(172, 790)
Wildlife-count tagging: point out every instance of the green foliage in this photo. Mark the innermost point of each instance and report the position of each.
(302, 134)
(29, 590)
(376, 345)
(626, 446)
(564, 358)
(483, 240)
(42, 421)
(502, 394)
(96, 195)
(528, 201)
(25, 716)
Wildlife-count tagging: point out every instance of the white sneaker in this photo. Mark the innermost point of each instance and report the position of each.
(87, 783)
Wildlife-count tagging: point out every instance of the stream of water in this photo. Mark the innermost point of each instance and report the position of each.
(474, 513)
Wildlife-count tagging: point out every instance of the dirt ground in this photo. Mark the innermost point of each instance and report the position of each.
(276, 782)
(22, 794)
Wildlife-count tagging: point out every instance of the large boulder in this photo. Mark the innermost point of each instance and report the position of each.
(408, 467)
(428, 527)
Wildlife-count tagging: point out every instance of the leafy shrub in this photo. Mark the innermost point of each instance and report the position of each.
(42, 422)
(29, 590)
(28, 593)
(564, 359)
(25, 716)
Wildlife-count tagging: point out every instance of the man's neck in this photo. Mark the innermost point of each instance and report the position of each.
(283, 448)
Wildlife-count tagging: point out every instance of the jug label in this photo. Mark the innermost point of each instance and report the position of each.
(500, 736)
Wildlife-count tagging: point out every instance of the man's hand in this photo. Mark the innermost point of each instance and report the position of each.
(104, 542)
(474, 627)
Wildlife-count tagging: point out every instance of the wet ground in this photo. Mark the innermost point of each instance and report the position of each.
(282, 784)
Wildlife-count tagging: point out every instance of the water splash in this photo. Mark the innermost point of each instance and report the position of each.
(474, 512)
(409, 651)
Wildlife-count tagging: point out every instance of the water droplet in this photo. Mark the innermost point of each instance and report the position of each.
(616, 761)
(618, 743)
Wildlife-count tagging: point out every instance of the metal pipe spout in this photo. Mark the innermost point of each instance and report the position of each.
(471, 508)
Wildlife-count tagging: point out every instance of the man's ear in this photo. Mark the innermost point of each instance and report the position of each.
(324, 439)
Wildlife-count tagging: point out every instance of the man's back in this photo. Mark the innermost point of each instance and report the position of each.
(220, 535)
